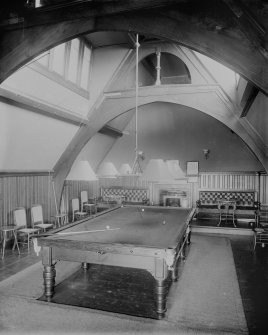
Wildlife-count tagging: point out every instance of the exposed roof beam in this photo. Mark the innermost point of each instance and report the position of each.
(132, 40)
(41, 108)
(248, 98)
(249, 24)
(110, 131)
(80, 9)
(239, 10)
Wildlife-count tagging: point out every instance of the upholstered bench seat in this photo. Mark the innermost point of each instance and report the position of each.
(207, 204)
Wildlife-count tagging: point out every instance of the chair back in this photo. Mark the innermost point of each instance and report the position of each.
(84, 197)
(37, 214)
(75, 204)
(19, 215)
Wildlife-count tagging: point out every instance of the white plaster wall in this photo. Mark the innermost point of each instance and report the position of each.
(222, 74)
(170, 131)
(30, 141)
(105, 62)
(258, 116)
(36, 86)
(95, 150)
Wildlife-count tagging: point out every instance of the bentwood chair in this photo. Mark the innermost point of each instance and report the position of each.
(20, 220)
(227, 210)
(261, 231)
(85, 204)
(38, 218)
(76, 213)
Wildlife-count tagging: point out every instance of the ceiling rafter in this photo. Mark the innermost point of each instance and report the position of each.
(41, 108)
(248, 98)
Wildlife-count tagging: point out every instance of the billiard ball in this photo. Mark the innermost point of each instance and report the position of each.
(142, 209)
(164, 222)
(107, 227)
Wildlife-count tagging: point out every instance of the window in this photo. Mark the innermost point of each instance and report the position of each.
(69, 61)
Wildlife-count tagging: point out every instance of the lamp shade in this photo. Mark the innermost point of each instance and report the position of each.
(82, 170)
(125, 169)
(174, 168)
(107, 170)
(157, 170)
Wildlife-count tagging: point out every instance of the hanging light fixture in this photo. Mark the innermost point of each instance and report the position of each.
(139, 155)
(82, 170)
(107, 170)
(125, 170)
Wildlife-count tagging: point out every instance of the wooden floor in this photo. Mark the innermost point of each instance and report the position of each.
(252, 272)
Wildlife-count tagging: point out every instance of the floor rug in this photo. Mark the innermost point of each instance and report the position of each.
(205, 300)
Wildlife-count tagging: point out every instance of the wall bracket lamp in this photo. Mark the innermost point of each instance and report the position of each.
(206, 153)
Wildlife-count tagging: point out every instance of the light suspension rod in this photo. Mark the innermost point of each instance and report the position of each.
(137, 93)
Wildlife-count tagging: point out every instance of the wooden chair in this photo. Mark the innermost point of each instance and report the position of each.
(86, 205)
(38, 218)
(260, 237)
(20, 220)
(227, 211)
(261, 229)
(76, 213)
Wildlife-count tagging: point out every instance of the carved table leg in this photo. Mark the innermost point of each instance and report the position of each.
(160, 289)
(175, 270)
(189, 235)
(49, 275)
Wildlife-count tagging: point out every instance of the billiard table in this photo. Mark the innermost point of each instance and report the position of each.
(151, 238)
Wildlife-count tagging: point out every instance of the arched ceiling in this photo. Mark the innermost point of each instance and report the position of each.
(230, 31)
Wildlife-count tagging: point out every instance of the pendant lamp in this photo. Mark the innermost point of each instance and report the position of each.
(107, 170)
(82, 170)
(157, 170)
(125, 170)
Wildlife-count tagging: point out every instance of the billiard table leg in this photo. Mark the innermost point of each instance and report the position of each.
(189, 237)
(49, 275)
(160, 289)
(175, 271)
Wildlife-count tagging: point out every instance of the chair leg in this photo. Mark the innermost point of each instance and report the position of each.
(4, 245)
(254, 242)
(15, 242)
(219, 221)
(234, 220)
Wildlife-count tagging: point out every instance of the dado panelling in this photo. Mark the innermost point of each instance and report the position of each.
(23, 191)
(264, 189)
(228, 181)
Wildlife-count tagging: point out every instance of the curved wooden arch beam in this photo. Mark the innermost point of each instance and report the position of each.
(208, 99)
(222, 38)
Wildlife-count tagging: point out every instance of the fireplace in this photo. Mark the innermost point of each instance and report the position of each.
(173, 195)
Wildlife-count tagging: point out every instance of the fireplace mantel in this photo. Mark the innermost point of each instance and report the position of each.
(180, 189)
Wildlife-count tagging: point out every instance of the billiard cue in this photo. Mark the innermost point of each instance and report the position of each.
(73, 232)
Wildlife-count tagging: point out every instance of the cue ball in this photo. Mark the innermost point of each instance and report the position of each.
(142, 210)
(164, 222)
(107, 227)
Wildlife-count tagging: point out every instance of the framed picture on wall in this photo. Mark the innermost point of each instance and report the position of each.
(192, 168)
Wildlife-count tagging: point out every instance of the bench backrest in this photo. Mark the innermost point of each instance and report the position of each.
(242, 198)
(130, 194)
